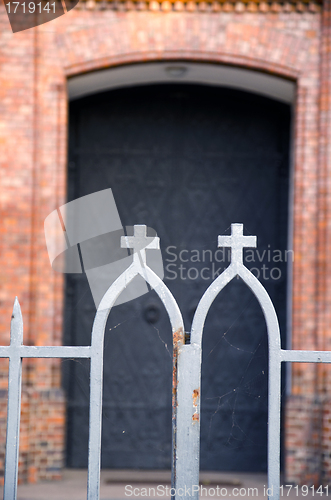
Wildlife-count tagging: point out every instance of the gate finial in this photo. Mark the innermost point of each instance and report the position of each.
(237, 241)
(140, 242)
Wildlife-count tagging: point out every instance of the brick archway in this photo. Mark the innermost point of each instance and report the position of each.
(237, 42)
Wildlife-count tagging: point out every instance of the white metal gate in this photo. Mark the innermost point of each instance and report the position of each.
(186, 368)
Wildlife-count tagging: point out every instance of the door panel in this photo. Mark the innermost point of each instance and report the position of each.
(187, 161)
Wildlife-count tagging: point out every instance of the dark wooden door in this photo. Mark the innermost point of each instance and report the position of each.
(187, 161)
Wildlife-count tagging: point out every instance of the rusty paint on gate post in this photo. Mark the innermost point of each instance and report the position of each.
(196, 400)
(178, 342)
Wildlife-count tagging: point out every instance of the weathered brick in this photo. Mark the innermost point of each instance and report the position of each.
(292, 41)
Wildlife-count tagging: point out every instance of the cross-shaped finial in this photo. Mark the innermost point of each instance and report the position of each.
(237, 241)
(140, 242)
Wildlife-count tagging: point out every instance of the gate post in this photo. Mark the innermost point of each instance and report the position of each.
(14, 404)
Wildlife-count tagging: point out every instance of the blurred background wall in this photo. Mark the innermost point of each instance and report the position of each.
(287, 46)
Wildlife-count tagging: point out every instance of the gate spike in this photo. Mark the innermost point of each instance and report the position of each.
(17, 307)
(16, 325)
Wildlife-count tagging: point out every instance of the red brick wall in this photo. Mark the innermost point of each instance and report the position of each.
(308, 428)
(42, 434)
(34, 65)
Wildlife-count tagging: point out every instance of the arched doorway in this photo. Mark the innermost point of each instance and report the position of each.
(186, 160)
